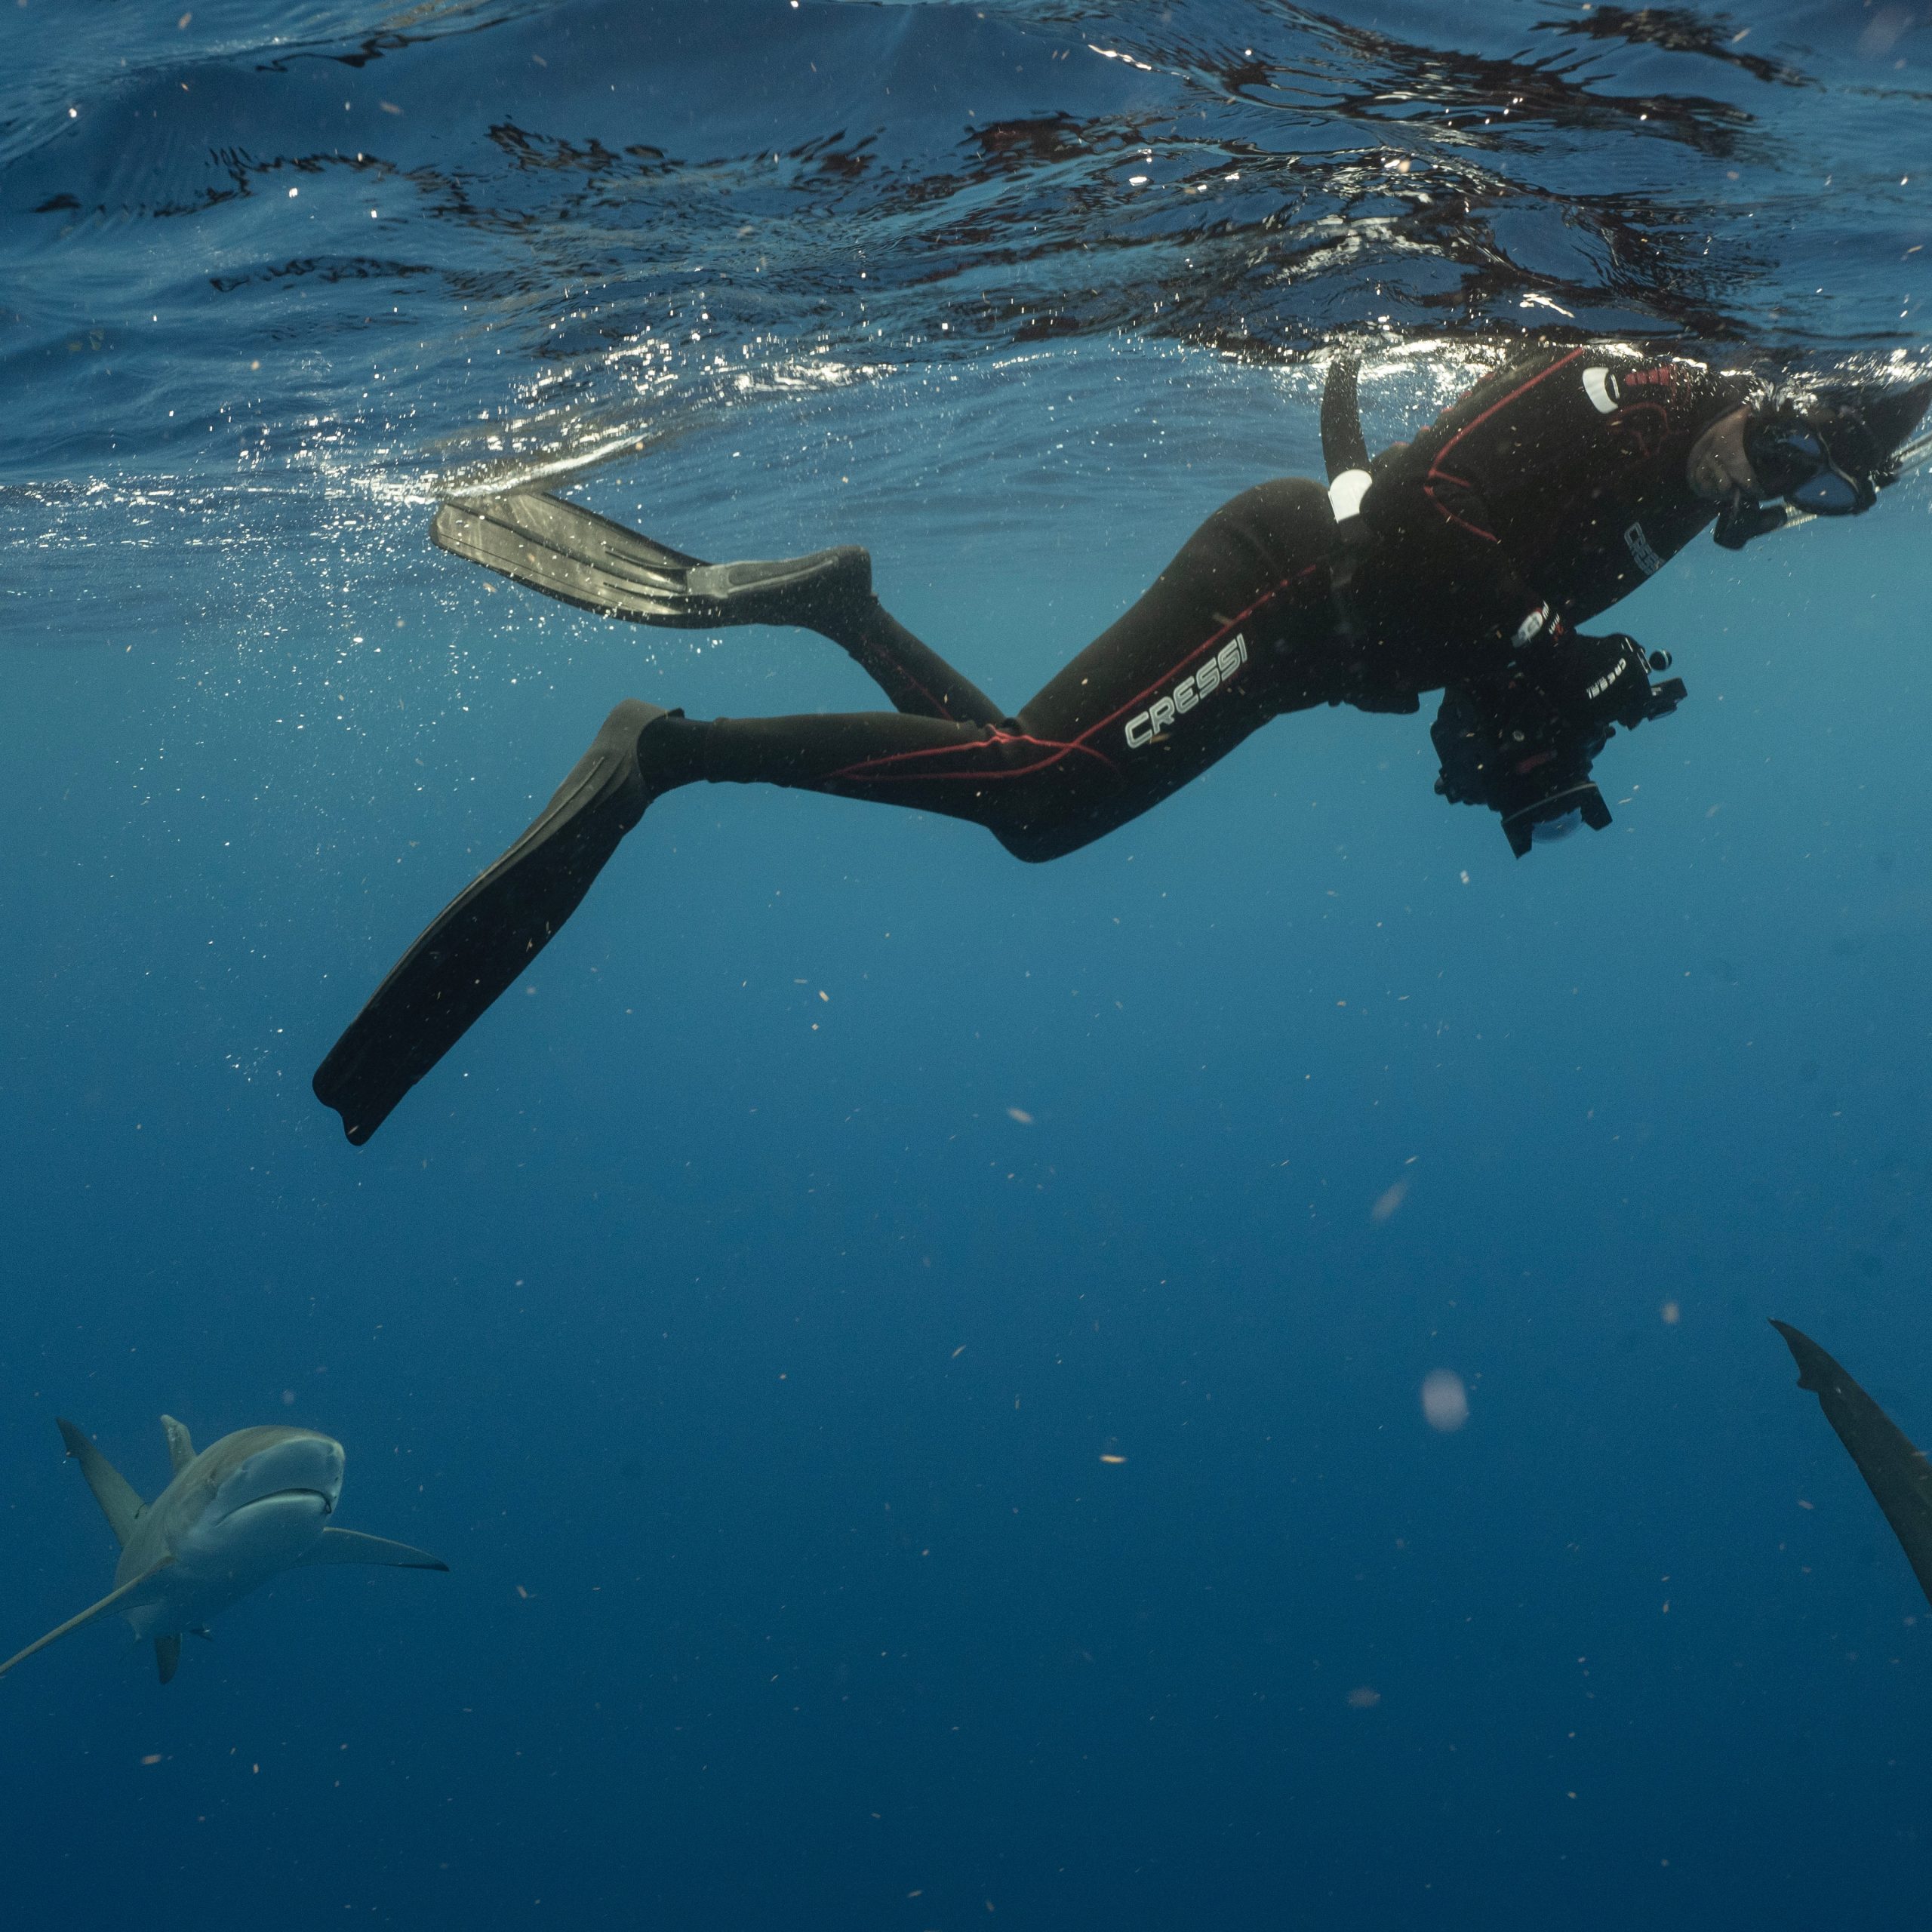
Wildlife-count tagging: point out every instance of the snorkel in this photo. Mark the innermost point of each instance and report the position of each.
(1742, 519)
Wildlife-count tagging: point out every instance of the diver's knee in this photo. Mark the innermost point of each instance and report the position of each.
(1026, 850)
(1038, 844)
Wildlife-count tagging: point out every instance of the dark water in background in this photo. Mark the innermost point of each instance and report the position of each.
(747, 1357)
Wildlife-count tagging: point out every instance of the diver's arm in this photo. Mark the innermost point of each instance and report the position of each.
(1520, 640)
(1500, 612)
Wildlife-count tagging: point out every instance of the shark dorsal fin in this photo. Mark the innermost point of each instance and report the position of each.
(180, 1443)
(112, 1491)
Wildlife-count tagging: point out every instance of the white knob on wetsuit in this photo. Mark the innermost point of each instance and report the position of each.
(1346, 493)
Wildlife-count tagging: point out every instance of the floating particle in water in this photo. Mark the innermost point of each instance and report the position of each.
(1110, 1452)
(1020, 1114)
(1389, 1200)
(1361, 1698)
(1445, 1401)
(1671, 1314)
(1887, 26)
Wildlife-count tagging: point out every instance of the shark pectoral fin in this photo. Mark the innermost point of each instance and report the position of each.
(112, 1491)
(352, 1546)
(107, 1602)
(168, 1657)
(180, 1443)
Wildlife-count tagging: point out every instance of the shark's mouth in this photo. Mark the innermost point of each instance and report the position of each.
(286, 1495)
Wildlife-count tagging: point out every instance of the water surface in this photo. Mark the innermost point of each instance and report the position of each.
(749, 1355)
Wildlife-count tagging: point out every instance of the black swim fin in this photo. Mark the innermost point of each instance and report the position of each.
(476, 947)
(581, 558)
(1894, 1470)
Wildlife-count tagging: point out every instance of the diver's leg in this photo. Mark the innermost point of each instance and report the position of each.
(1000, 776)
(1233, 631)
(1257, 572)
(917, 680)
(474, 949)
(579, 558)
(1237, 629)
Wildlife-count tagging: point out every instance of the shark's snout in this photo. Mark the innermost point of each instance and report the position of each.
(301, 1471)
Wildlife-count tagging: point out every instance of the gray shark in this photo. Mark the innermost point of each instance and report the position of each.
(254, 1504)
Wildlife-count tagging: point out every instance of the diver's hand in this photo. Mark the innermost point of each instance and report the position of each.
(1599, 681)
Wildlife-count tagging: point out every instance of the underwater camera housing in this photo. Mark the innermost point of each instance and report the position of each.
(1526, 763)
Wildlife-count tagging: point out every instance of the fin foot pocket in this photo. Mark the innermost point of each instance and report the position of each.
(473, 949)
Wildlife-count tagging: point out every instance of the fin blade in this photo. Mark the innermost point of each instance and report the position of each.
(119, 1502)
(352, 1546)
(475, 948)
(168, 1657)
(1894, 1468)
(180, 1443)
(573, 554)
(116, 1596)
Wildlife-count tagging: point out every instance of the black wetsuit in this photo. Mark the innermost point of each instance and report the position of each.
(1541, 497)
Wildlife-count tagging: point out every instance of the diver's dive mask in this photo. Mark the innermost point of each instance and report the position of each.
(1795, 460)
(1821, 456)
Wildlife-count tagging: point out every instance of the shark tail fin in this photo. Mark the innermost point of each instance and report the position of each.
(168, 1657)
(352, 1546)
(180, 1443)
(112, 1489)
(88, 1615)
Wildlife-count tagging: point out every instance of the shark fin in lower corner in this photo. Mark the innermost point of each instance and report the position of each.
(1895, 1467)
(168, 1657)
(93, 1610)
(352, 1546)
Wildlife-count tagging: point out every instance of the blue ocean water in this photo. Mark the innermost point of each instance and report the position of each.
(914, 1360)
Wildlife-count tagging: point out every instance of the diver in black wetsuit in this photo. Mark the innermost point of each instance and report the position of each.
(1460, 561)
